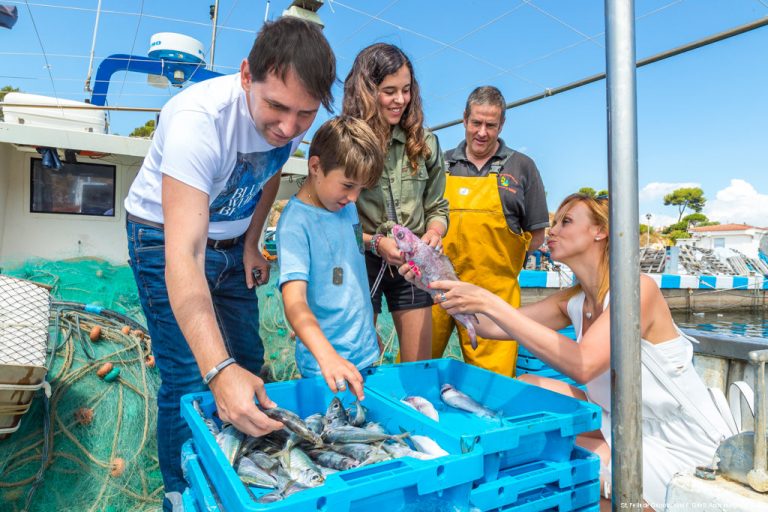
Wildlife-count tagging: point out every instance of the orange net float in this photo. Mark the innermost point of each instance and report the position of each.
(84, 416)
(117, 467)
(95, 333)
(104, 369)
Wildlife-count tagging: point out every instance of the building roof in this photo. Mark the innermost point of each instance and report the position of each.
(724, 227)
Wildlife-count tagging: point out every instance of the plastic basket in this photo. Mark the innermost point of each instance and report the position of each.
(24, 317)
(512, 483)
(384, 486)
(533, 423)
(582, 498)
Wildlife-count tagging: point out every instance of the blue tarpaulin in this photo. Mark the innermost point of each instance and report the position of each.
(8, 16)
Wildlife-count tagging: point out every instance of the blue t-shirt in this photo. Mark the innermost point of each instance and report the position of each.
(312, 244)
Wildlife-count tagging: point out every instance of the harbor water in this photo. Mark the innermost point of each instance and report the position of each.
(742, 322)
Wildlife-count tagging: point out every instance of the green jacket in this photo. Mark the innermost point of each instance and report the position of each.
(418, 196)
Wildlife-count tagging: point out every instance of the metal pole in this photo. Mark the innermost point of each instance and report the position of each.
(648, 230)
(93, 48)
(215, 19)
(626, 396)
(741, 29)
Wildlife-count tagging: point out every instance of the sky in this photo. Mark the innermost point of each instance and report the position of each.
(702, 116)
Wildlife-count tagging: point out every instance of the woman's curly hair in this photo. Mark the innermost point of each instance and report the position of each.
(361, 89)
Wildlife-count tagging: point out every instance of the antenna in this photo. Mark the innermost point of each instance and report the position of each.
(215, 19)
(93, 49)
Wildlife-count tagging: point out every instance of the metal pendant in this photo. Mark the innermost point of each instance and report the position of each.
(338, 275)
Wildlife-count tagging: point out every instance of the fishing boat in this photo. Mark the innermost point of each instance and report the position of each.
(63, 178)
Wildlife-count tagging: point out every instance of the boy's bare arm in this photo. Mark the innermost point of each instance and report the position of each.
(335, 369)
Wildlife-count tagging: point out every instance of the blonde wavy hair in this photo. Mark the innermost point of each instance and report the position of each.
(361, 89)
(598, 209)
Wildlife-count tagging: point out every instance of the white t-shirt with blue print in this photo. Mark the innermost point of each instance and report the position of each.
(311, 243)
(206, 138)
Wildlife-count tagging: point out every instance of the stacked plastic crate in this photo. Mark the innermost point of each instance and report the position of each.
(524, 459)
(529, 363)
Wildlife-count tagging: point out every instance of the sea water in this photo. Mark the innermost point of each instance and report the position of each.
(740, 322)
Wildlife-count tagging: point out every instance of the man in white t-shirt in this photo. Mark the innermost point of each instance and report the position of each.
(195, 215)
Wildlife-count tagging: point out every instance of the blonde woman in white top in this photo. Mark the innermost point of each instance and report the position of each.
(673, 440)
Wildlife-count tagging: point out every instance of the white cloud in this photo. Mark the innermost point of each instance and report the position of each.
(739, 203)
(658, 190)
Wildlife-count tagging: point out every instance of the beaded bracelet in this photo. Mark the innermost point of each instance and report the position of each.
(375, 240)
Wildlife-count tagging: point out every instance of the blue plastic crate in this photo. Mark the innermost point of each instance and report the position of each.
(512, 483)
(199, 491)
(384, 486)
(550, 498)
(530, 364)
(551, 373)
(188, 502)
(533, 424)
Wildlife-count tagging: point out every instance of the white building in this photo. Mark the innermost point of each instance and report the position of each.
(741, 237)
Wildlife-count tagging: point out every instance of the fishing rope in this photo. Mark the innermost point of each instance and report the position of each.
(71, 322)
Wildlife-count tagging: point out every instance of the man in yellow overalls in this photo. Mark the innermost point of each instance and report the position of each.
(498, 212)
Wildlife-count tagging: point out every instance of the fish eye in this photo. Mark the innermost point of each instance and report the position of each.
(400, 235)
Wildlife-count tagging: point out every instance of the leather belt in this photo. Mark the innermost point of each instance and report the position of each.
(227, 243)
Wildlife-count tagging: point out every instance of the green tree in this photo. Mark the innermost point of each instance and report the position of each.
(695, 218)
(144, 131)
(299, 153)
(603, 193)
(674, 236)
(689, 197)
(5, 90)
(587, 191)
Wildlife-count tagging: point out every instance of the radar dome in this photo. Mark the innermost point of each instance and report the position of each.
(176, 47)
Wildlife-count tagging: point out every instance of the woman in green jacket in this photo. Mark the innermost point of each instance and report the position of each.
(381, 89)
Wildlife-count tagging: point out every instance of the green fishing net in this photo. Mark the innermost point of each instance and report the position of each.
(101, 440)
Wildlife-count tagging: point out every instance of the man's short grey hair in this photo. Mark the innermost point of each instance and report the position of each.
(486, 95)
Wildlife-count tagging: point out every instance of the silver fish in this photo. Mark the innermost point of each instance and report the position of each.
(422, 405)
(433, 266)
(251, 474)
(315, 423)
(291, 487)
(230, 440)
(350, 434)
(333, 460)
(263, 460)
(358, 451)
(398, 450)
(358, 418)
(335, 415)
(455, 398)
(300, 467)
(293, 423)
(428, 445)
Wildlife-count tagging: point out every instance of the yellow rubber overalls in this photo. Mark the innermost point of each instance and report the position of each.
(485, 252)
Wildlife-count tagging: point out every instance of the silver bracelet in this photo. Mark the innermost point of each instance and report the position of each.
(217, 369)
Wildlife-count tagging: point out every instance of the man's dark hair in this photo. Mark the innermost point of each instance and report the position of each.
(291, 43)
(486, 95)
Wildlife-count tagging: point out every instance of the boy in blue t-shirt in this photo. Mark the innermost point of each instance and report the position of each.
(321, 256)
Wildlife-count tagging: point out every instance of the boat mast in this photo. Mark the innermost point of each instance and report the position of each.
(626, 394)
(214, 19)
(93, 48)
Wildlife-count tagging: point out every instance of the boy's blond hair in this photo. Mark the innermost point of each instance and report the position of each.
(349, 143)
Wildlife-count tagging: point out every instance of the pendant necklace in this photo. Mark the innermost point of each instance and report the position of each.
(588, 314)
(337, 276)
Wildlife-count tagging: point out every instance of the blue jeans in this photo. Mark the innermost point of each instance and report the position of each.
(236, 309)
